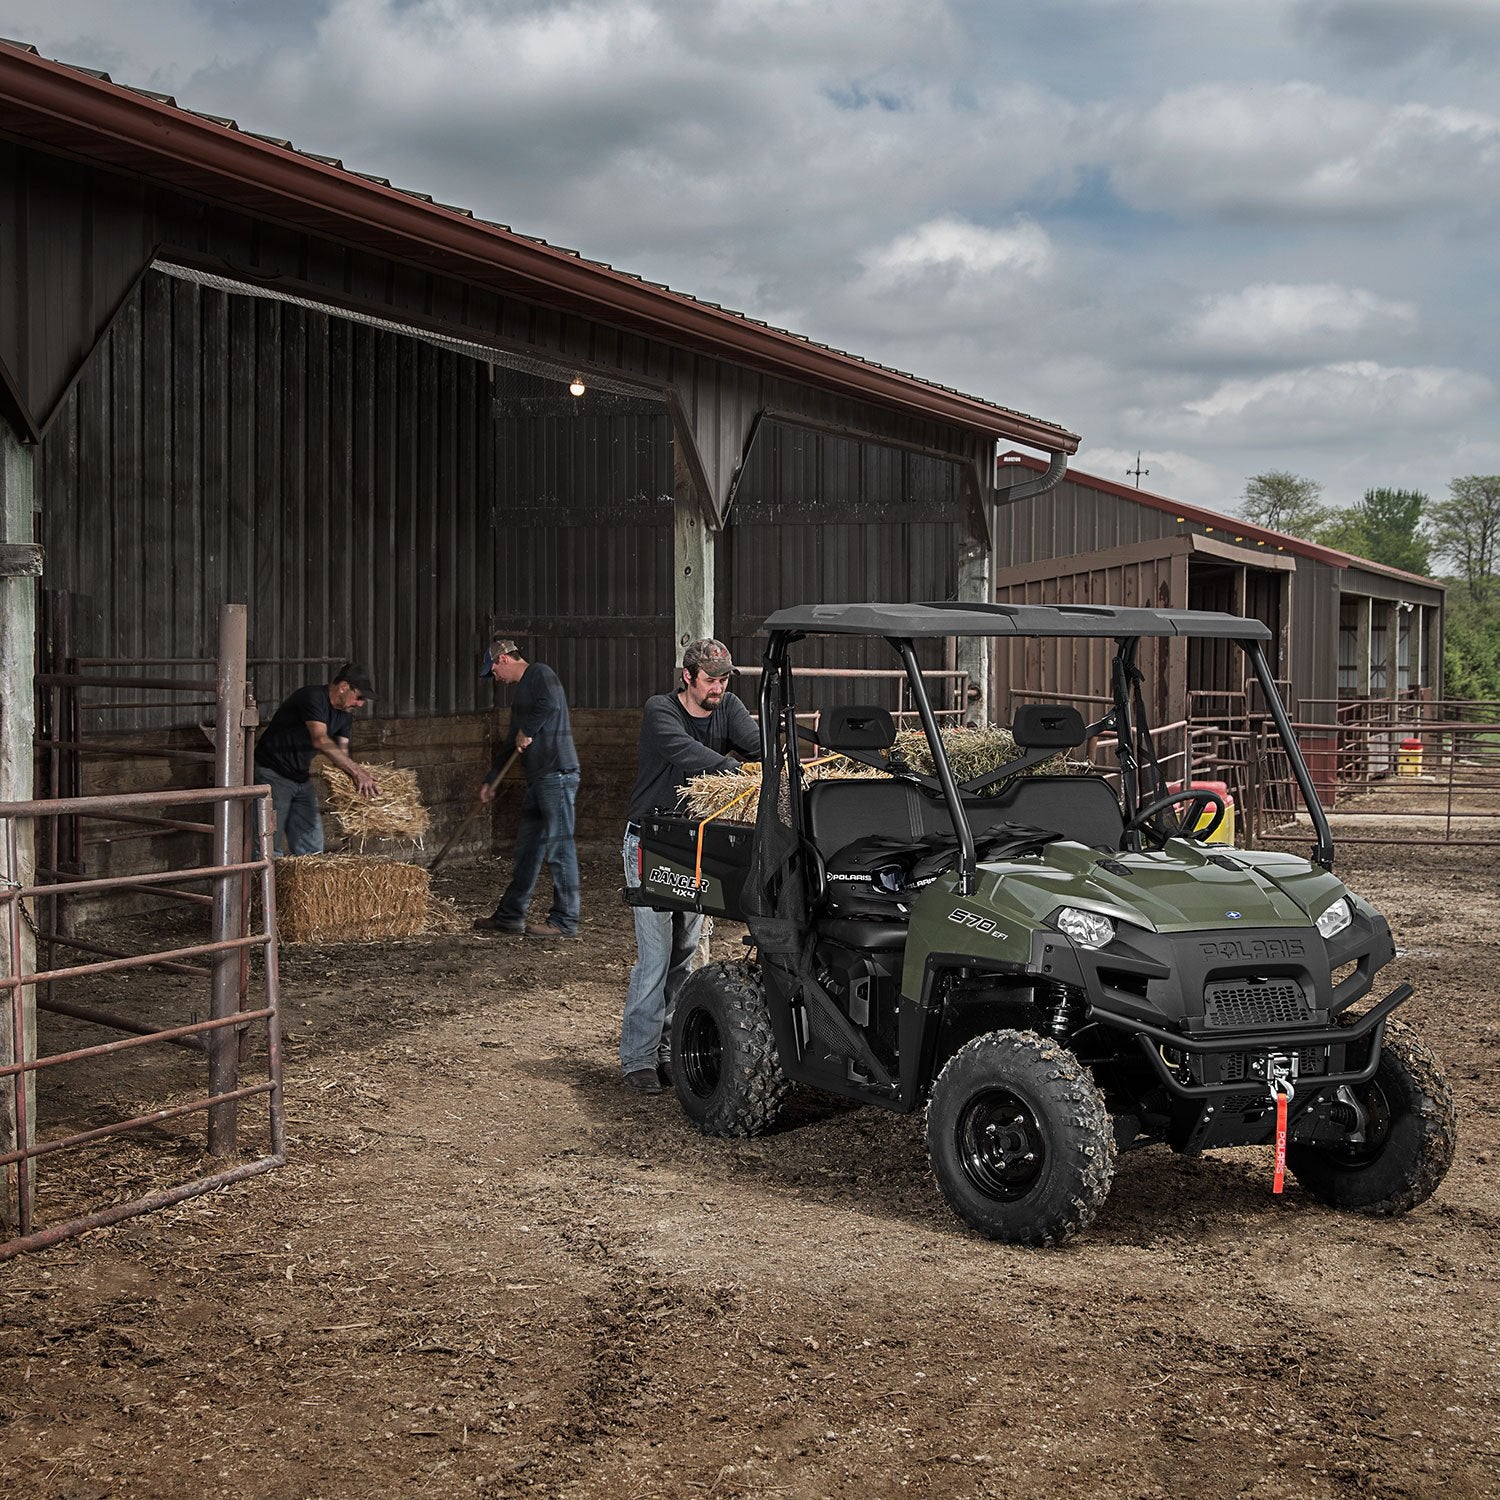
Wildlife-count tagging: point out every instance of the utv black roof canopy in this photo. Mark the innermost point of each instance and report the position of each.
(913, 621)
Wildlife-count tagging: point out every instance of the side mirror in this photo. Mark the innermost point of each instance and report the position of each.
(859, 727)
(1047, 726)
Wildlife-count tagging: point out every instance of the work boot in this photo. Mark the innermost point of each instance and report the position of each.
(495, 924)
(643, 1081)
(547, 930)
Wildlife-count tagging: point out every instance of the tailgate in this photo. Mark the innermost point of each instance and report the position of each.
(669, 865)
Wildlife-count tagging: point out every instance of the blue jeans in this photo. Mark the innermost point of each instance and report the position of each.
(665, 943)
(545, 832)
(297, 816)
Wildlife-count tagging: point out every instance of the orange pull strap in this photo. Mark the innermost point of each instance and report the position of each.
(1278, 1180)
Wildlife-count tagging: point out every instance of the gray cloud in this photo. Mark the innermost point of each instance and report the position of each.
(1140, 218)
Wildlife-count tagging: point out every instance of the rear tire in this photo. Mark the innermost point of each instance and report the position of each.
(1412, 1129)
(725, 1067)
(1019, 1139)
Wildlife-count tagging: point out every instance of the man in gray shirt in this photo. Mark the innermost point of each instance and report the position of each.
(682, 734)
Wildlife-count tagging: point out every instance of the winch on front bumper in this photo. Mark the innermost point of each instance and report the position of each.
(1226, 1021)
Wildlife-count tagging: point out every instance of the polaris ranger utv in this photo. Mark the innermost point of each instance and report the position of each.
(1056, 971)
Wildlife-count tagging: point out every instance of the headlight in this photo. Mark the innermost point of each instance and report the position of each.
(1336, 918)
(1089, 929)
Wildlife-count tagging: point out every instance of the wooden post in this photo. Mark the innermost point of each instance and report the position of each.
(693, 572)
(228, 907)
(17, 752)
(976, 586)
(1362, 688)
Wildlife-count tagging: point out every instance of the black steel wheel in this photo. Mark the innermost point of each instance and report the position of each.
(1408, 1128)
(725, 1067)
(1019, 1139)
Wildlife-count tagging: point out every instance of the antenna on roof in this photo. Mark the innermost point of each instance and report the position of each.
(1138, 470)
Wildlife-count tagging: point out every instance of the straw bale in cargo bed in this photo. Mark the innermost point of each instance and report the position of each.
(396, 811)
(971, 752)
(343, 898)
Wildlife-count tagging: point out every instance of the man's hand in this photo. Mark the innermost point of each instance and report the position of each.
(364, 783)
(522, 740)
(487, 791)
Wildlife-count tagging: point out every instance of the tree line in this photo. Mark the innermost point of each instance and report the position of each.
(1456, 539)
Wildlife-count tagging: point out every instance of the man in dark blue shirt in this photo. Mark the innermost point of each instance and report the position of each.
(315, 720)
(542, 734)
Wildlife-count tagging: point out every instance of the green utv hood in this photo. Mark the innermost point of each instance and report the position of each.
(1185, 887)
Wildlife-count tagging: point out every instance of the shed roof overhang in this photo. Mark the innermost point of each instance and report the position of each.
(941, 619)
(86, 116)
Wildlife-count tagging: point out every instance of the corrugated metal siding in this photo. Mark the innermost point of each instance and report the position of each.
(1074, 519)
(360, 492)
(1069, 520)
(1065, 665)
(584, 540)
(823, 519)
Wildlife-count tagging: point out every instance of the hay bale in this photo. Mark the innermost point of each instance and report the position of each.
(396, 811)
(341, 898)
(712, 792)
(972, 751)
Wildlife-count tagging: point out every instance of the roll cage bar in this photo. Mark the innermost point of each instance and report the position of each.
(902, 625)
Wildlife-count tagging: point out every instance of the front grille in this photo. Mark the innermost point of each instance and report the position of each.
(1232, 1003)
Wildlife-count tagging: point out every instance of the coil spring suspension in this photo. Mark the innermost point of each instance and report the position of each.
(1063, 1007)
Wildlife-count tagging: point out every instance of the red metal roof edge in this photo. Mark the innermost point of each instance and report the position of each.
(1234, 526)
(156, 125)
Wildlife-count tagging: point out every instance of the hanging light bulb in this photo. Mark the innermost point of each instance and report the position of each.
(577, 387)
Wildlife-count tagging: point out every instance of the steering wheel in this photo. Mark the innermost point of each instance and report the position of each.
(1200, 798)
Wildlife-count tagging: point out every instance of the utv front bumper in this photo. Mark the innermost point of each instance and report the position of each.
(1330, 1056)
(1218, 1018)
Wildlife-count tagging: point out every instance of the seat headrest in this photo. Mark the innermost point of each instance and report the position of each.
(1048, 726)
(859, 726)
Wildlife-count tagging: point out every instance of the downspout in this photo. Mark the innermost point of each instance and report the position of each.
(1039, 484)
(976, 585)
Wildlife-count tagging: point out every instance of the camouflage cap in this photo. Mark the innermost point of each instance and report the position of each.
(708, 656)
(500, 645)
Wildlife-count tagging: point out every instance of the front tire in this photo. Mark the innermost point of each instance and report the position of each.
(1019, 1139)
(725, 1067)
(1411, 1130)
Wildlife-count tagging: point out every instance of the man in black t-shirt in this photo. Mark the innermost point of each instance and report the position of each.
(315, 720)
(541, 732)
(682, 734)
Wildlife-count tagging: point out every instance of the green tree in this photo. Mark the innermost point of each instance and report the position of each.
(1471, 650)
(1385, 527)
(1466, 531)
(1283, 501)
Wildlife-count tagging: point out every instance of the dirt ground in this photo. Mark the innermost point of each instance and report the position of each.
(489, 1271)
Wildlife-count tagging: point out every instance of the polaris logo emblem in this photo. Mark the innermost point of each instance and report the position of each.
(1233, 916)
(1255, 950)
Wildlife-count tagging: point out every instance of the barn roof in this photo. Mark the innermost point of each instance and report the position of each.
(85, 115)
(1229, 528)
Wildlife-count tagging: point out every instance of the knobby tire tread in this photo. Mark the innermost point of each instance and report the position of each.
(1321, 1174)
(752, 1088)
(1086, 1142)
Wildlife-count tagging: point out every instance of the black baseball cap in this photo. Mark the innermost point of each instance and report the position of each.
(357, 677)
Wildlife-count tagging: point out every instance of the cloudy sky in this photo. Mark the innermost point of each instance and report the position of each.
(1235, 235)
